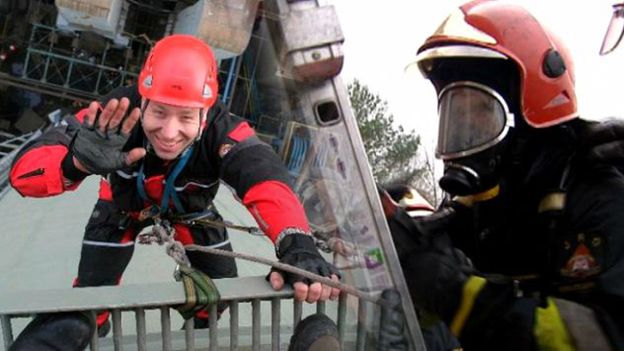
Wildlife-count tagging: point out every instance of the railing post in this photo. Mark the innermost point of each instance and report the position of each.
(7, 331)
(165, 324)
(95, 338)
(255, 325)
(189, 334)
(361, 326)
(117, 331)
(234, 325)
(342, 317)
(320, 307)
(212, 323)
(275, 323)
(297, 312)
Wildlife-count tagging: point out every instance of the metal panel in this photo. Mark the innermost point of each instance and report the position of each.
(98, 15)
(309, 40)
(391, 255)
(310, 28)
(224, 24)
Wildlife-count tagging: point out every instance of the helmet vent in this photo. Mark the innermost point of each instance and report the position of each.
(553, 65)
(147, 82)
(207, 93)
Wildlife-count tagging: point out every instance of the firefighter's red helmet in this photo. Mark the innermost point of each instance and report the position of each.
(491, 29)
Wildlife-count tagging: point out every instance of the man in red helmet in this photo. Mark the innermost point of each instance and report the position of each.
(161, 148)
(527, 253)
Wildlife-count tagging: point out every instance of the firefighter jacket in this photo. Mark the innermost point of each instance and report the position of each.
(549, 257)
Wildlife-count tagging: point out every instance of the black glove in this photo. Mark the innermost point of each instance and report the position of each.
(604, 141)
(435, 272)
(300, 251)
(100, 152)
(199, 289)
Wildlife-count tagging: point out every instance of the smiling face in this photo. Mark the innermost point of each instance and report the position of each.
(170, 129)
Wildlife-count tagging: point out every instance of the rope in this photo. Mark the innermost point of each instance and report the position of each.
(331, 245)
(162, 234)
(290, 269)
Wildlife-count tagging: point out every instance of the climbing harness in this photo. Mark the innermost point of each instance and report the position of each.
(169, 192)
(163, 232)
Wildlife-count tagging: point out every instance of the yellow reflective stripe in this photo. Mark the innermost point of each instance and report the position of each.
(550, 331)
(471, 289)
(552, 202)
(470, 200)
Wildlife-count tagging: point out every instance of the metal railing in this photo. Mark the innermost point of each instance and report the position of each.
(137, 299)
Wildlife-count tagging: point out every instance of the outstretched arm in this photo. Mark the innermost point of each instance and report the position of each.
(262, 182)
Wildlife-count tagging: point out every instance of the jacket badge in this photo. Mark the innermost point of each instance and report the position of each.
(582, 262)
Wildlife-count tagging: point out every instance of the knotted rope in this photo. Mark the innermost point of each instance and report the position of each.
(163, 234)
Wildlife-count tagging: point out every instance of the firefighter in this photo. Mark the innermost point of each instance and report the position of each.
(527, 253)
(161, 148)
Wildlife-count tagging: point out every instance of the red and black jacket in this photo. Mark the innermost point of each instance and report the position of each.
(228, 151)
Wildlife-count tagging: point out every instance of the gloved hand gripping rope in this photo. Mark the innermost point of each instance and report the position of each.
(162, 233)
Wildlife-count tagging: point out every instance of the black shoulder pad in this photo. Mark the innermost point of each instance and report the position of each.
(251, 162)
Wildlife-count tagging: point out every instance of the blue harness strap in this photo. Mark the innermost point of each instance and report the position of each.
(169, 191)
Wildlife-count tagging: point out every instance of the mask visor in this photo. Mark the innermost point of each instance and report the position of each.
(473, 117)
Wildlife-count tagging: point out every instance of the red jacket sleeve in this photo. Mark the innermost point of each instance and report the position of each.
(275, 207)
(256, 173)
(37, 171)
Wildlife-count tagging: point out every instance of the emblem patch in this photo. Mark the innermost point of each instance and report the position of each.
(582, 262)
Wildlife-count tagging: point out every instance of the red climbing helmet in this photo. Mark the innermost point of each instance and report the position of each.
(180, 70)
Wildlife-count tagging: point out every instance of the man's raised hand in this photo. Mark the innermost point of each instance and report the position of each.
(98, 145)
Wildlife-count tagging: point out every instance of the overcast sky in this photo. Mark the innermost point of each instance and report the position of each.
(380, 40)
